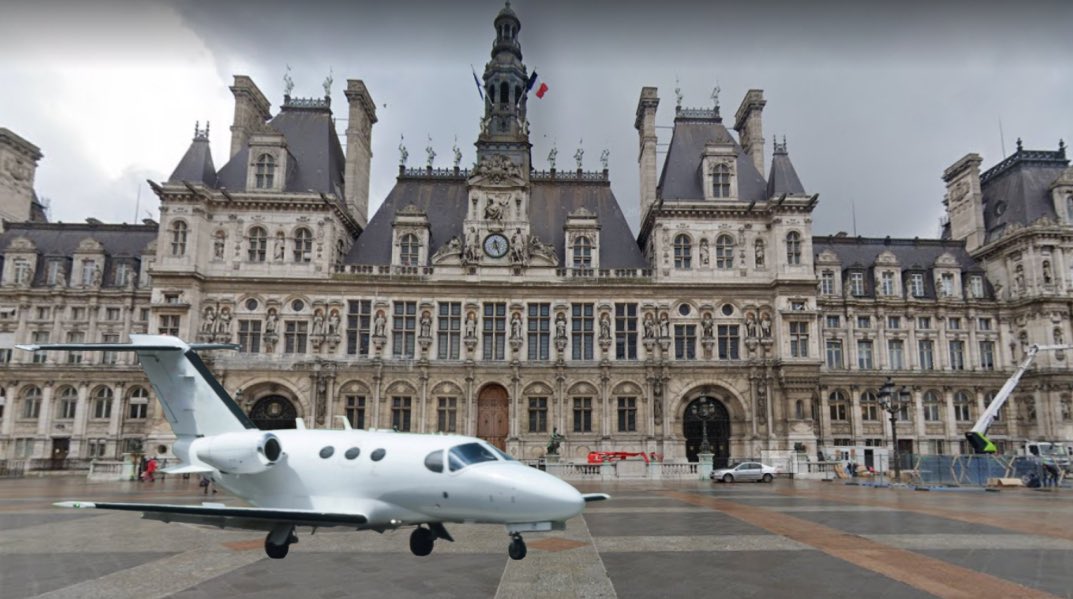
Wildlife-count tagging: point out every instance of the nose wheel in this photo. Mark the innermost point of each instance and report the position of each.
(516, 550)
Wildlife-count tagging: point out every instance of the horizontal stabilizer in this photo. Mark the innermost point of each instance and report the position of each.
(590, 497)
(188, 469)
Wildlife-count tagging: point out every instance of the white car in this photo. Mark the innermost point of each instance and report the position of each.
(754, 471)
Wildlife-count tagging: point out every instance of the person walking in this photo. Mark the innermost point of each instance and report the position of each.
(150, 469)
(206, 483)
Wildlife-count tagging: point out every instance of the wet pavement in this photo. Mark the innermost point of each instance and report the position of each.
(671, 539)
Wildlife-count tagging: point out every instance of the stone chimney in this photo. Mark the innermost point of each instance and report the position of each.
(646, 159)
(251, 112)
(18, 165)
(964, 201)
(747, 123)
(359, 149)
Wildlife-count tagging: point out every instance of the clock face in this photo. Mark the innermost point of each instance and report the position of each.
(495, 245)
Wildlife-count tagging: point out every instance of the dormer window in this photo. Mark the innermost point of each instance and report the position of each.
(827, 282)
(582, 252)
(916, 284)
(408, 250)
(793, 248)
(856, 283)
(683, 252)
(724, 252)
(303, 245)
(947, 282)
(721, 181)
(22, 271)
(122, 273)
(976, 286)
(258, 244)
(54, 272)
(265, 176)
(178, 238)
(887, 282)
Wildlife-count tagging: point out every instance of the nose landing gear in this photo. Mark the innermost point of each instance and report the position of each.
(516, 550)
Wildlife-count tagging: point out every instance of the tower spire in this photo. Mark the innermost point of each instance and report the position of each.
(504, 128)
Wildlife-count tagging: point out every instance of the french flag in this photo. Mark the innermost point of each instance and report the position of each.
(543, 89)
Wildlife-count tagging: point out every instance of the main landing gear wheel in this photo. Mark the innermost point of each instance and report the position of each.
(516, 550)
(728, 478)
(279, 550)
(421, 541)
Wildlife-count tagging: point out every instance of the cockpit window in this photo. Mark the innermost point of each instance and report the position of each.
(502, 454)
(434, 461)
(471, 453)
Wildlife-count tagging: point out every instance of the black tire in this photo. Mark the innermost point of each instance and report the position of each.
(421, 541)
(728, 478)
(768, 478)
(276, 551)
(516, 550)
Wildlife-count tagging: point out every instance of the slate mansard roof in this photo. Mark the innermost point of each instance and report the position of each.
(444, 201)
(60, 241)
(1018, 189)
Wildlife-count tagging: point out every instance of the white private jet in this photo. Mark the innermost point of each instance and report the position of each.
(350, 478)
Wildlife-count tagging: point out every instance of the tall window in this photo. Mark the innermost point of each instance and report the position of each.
(627, 414)
(449, 331)
(625, 331)
(582, 414)
(856, 283)
(447, 414)
(178, 238)
(946, 281)
(793, 248)
(138, 403)
(538, 414)
(355, 410)
(31, 402)
(582, 252)
(495, 331)
(962, 406)
(976, 286)
(683, 252)
(729, 340)
(403, 329)
(249, 336)
(685, 342)
(408, 250)
(539, 325)
(926, 348)
(358, 317)
(400, 413)
(581, 328)
(931, 406)
(887, 282)
(869, 406)
(827, 282)
(22, 272)
(89, 272)
(258, 244)
(265, 175)
(799, 339)
(721, 181)
(837, 404)
(894, 322)
(724, 252)
(169, 325)
(987, 355)
(303, 245)
(957, 355)
(834, 354)
(102, 402)
(295, 335)
(75, 357)
(916, 284)
(68, 403)
(896, 352)
(864, 355)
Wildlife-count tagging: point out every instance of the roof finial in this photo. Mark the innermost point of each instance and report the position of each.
(457, 152)
(197, 128)
(428, 150)
(1062, 147)
(403, 154)
(1019, 147)
(288, 83)
(551, 156)
(328, 84)
(604, 156)
(715, 96)
(677, 93)
(580, 153)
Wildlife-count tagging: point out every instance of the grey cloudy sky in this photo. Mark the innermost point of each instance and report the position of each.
(875, 99)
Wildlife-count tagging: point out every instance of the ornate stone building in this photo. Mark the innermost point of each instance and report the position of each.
(505, 301)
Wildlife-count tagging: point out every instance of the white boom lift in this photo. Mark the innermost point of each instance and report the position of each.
(977, 436)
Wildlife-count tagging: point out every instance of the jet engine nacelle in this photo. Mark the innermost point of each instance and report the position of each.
(247, 452)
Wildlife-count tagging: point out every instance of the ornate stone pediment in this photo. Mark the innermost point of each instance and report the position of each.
(887, 258)
(946, 260)
(497, 170)
(90, 245)
(21, 244)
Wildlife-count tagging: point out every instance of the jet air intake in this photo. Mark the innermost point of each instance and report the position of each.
(248, 452)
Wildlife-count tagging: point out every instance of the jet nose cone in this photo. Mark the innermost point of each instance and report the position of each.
(563, 501)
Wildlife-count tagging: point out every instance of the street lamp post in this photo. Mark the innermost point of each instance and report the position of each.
(704, 411)
(892, 401)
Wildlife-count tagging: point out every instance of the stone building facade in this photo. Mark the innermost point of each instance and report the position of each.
(506, 302)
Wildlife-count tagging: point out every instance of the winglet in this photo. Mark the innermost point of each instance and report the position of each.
(590, 497)
(346, 422)
(76, 504)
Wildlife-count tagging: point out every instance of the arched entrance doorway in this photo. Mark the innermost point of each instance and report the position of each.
(718, 429)
(493, 415)
(273, 412)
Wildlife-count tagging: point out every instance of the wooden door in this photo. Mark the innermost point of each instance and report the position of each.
(493, 415)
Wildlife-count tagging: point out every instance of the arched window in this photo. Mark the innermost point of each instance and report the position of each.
(932, 408)
(178, 238)
(303, 245)
(869, 406)
(582, 252)
(799, 410)
(138, 400)
(31, 402)
(102, 402)
(839, 406)
(265, 176)
(724, 252)
(793, 248)
(683, 252)
(408, 250)
(962, 406)
(67, 404)
(258, 244)
(721, 181)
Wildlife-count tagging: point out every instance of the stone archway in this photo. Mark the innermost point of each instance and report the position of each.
(718, 430)
(273, 412)
(493, 415)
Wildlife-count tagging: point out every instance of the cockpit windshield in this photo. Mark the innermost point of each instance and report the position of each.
(470, 453)
(502, 454)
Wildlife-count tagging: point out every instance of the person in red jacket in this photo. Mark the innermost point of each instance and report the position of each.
(150, 469)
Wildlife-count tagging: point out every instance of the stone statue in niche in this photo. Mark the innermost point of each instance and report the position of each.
(218, 246)
(208, 321)
(704, 258)
(279, 248)
(471, 326)
(271, 322)
(1019, 278)
(426, 324)
(707, 326)
(605, 326)
(516, 326)
(493, 210)
(379, 324)
(664, 326)
(1047, 277)
(758, 250)
(560, 326)
(318, 323)
(750, 325)
(223, 323)
(333, 323)
(650, 329)
(765, 325)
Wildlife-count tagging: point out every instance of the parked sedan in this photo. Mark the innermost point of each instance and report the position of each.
(754, 471)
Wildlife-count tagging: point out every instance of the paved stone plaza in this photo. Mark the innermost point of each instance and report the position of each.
(789, 539)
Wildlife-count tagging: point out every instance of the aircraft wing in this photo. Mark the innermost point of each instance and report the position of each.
(222, 516)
